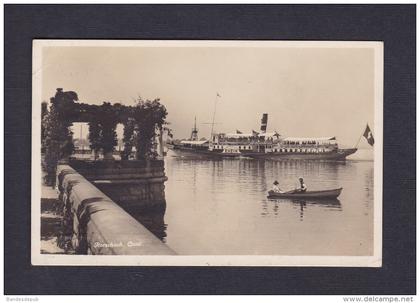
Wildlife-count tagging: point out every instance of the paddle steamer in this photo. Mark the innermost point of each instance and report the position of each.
(261, 145)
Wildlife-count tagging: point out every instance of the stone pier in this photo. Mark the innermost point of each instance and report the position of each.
(131, 183)
(94, 223)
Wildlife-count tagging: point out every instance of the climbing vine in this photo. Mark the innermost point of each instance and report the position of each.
(94, 137)
(58, 138)
(128, 138)
(108, 122)
(44, 115)
(149, 115)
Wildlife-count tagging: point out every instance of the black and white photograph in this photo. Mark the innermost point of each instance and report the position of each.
(207, 153)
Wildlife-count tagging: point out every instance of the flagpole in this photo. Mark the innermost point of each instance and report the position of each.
(358, 141)
(81, 131)
(214, 114)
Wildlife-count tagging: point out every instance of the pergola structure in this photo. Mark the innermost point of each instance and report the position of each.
(142, 123)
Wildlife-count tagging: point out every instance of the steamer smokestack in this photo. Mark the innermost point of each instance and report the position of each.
(264, 121)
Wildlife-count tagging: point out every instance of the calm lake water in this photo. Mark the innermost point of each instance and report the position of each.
(221, 207)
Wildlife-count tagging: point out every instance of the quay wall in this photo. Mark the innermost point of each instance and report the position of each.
(95, 224)
(132, 184)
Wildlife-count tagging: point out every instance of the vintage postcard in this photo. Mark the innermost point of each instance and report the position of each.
(207, 153)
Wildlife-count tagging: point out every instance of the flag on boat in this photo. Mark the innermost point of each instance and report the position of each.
(238, 131)
(368, 135)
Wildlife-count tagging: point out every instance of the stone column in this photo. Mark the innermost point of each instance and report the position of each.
(108, 140)
(108, 156)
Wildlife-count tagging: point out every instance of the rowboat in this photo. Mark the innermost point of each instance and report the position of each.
(314, 194)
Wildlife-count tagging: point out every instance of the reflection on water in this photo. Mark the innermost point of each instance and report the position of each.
(299, 204)
(153, 220)
(221, 207)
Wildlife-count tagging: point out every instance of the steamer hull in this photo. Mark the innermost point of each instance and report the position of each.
(340, 154)
(200, 153)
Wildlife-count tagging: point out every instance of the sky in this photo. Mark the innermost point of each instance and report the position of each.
(307, 92)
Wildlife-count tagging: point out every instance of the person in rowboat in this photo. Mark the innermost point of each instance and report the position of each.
(276, 188)
(302, 186)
